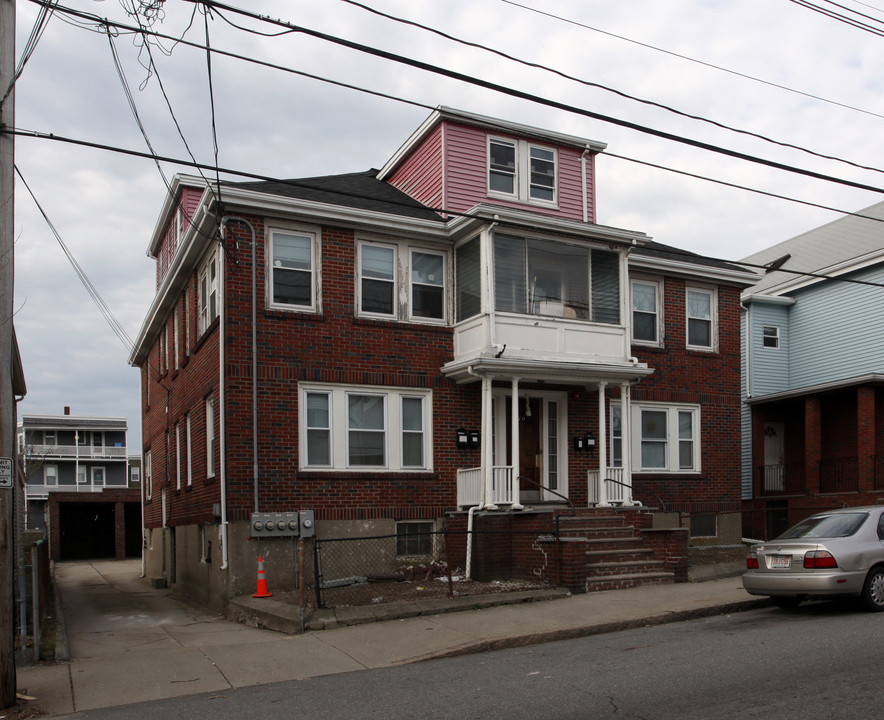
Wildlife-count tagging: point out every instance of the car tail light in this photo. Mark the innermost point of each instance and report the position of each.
(819, 559)
(752, 561)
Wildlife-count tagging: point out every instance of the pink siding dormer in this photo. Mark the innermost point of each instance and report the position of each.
(445, 165)
(178, 221)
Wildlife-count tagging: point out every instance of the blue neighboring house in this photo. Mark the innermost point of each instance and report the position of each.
(813, 374)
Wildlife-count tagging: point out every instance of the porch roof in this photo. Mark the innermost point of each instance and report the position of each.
(856, 381)
(557, 371)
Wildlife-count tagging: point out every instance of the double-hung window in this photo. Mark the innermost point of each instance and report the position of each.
(667, 438)
(50, 475)
(387, 269)
(427, 285)
(208, 292)
(210, 437)
(701, 312)
(148, 475)
(645, 312)
(377, 279)
(522, 171)
(364, 428)
(770, 336)
(293, 275)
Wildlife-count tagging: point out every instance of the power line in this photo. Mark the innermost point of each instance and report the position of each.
(841, 18)
(712, 66)
(102, 306)
(512, 92)
(301, 184)
(614, 91)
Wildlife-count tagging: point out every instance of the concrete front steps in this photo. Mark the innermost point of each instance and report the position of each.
(616, 557)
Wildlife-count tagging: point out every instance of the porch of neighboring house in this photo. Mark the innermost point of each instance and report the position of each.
(815, 452)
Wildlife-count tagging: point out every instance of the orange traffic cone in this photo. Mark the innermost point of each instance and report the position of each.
(262, 581)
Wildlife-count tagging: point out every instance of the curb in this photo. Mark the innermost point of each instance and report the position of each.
(588, 630)
(62, 644)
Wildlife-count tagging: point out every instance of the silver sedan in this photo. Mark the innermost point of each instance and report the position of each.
(838, 553)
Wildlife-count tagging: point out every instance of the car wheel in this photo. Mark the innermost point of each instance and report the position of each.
(873, 590)
(786, 603)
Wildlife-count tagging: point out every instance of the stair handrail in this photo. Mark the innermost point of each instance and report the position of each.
(550, 490)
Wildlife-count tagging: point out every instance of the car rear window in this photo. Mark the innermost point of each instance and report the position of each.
(827, 526)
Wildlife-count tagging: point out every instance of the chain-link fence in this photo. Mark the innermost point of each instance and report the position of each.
(407, 567)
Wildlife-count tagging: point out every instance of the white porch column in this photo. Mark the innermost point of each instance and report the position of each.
(603, 445)
(514, 429)
(626, 440)
(487, 450)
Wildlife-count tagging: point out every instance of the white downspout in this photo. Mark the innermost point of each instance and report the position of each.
(487, 450)
(222, 459)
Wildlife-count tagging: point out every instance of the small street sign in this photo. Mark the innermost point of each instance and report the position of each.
(5, 472)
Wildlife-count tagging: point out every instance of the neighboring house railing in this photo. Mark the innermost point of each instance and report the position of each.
(780, 479)
(839, 475)
(84, 452)
(470, 486)
(615, 490)
(38, 491)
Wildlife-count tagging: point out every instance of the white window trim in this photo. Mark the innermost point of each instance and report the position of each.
(82, 475)
(54, 474)
(657, 313)
(189, 451)
(177, 455)
(394, 313)
(775, 336)
(672, 439)
(522, 179)
(206, 288)
(445, 286)
(339, 430)
(315, 235)
(135, 474)
(94, 470)
(148, 480)
(210, 437)
(713, 309)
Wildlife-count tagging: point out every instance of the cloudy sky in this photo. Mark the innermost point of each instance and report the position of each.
(774, 68)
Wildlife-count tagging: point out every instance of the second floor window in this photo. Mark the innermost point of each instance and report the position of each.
(645, 314)
(700, 319)
(770, 336)
(384, 269)
(210, 437)
(293, 269)
(377, 272)
(208, 292)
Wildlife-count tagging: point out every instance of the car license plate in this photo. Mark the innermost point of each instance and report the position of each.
(780, 561)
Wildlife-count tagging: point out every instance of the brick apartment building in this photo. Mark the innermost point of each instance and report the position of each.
(394, 347)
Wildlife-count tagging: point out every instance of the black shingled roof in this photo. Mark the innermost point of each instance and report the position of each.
(360, 190)
(668, 252)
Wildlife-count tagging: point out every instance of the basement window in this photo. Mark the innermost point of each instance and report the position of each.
(414, 538)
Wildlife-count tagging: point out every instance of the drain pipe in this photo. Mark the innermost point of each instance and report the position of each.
(473, 509)
(224, 221)
(222, 447)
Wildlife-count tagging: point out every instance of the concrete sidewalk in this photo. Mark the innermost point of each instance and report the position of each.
(131, 643)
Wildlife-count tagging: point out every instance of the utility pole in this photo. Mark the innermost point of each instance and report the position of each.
(7, 402)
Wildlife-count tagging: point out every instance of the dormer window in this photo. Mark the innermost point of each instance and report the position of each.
(521, 171)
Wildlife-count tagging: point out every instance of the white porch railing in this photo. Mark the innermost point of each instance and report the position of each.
(84, 452)
(470, 482)
(41, 492)
(617, 490)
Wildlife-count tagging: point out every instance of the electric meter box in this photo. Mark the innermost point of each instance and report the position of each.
(275, 524)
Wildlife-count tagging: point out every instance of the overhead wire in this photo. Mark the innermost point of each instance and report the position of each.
(90, 288)
(40, 24)
(312, 186)
(547, 102)
(153, 155)
(841, 18)
(620, 93)
(710, 65)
